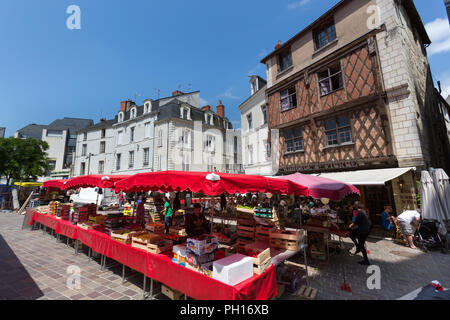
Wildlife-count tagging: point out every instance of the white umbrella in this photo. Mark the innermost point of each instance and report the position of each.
(442, 185)
(431, 206)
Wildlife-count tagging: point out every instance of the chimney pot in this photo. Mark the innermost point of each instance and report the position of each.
(278, 45)
(221, 110)
(177, 93)
(123, 106)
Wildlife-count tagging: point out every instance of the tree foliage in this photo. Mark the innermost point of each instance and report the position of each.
(23, 159)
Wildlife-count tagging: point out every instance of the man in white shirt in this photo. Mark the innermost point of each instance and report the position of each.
(408, 222)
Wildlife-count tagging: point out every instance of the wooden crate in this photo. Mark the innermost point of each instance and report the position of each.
(85, 226)
(154, 248)
(263, 266)
(178, 230)
(244, 210)
(155, 227)
(262, 233)
(142, 243)
(246, 222)
(171, 293)
(289, 240)
(124, 235)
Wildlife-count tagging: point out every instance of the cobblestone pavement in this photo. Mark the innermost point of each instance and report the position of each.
(33, 265)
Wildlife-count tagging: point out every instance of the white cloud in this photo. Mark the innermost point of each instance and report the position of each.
(445, 84)
(439, 33)
(297, 4)
(229, 95)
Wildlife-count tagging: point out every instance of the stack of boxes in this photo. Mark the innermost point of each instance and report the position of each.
(200, 253)
(53, 208)
(64, 212)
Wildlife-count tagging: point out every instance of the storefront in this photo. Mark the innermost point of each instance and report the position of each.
(382, 187)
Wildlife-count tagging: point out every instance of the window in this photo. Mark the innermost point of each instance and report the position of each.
(208, 119)
(147, 107)
(103, 133)
(264, 112)
(186, 162)
(147, 129)
(118, 160)
(131, 134)
(160, 137)
(288, 99)
(250, 121)
(120, 117)
(146, 156)
(102, 146)
(185, 113)
(120, 137)
(235, 149)
(330, 80)
(133, 113)
(250, 154)
(159, 160)
(54, 133)
(268, 150)
(84, 150)
(294, 140)
(185, 138)
(83, 168)
(52, 164)
(324, 35)
(131, 159)
(101, 167)
(285, 60)
(209, 143)
(338, 131)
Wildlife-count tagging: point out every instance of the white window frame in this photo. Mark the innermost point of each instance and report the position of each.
(101, 167)
(146, 156)
(130, 159)
(160, 138)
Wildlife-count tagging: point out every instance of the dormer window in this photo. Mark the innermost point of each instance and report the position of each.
(324, 34)
(120, 116)
(147, 107)
(185, 113)
(208, 119)
(133, 113)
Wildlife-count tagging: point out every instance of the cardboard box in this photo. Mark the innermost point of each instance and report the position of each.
(202, 245)
(233, 269)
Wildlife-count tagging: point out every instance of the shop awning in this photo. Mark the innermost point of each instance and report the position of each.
(94, 180)
(321, 187)
(212, 184)
(28, 184)
(56, 183)
(367, 177)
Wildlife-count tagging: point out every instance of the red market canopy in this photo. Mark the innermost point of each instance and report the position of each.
(212, 184)
(320, 187)
(58, 184)
(94, 180)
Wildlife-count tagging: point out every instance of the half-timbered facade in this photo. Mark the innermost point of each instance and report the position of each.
(353, 91)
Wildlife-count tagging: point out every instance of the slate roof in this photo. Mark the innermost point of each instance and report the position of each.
(32, 131)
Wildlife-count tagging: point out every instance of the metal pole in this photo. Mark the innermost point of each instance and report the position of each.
(123, 276)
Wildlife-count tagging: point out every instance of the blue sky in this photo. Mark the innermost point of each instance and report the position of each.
(126, 47)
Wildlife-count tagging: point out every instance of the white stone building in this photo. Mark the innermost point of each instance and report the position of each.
(255, 145)
(171, 133)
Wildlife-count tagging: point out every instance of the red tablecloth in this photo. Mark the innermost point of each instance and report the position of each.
(161, 268)
(96, 240)
(134, 258)
(195, 285)
(45, 219)
(67, 229)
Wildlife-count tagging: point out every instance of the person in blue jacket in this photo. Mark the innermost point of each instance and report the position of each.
(386, 218)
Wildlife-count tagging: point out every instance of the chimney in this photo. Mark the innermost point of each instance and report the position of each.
(221, 110)
(207, 108)
(177, 93)
(278, 45)
(123, 106)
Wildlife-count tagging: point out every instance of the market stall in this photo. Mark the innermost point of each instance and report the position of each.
(192, 270)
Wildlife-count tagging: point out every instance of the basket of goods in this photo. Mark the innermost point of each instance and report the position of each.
(263, 213)
(155, 227)
(124, 235)
(175, 238)
(245, 210)
(178, 230)
(89, 225)
(154, 243)
(283, 239)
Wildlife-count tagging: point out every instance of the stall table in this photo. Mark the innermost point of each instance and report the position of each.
(161, 268)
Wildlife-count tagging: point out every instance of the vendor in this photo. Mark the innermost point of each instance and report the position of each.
(196, 223)
(167, 213)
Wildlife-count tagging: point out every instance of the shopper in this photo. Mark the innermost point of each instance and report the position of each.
(408, 222)
(361, 227)
(386, 218)
(167, 213)
(121, 199)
